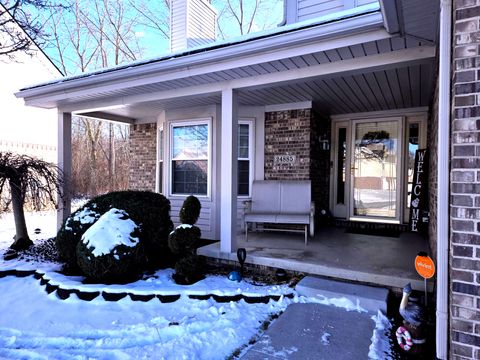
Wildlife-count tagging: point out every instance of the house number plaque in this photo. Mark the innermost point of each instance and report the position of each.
(284, 159)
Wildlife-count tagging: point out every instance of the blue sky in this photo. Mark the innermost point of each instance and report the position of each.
(154, 44)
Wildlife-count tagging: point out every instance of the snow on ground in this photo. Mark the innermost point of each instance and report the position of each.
(43, 326)
(46, 221)
(37, 325)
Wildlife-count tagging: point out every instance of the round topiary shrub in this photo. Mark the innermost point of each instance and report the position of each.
(72, 230)
(184, 240)
(149, 210)
(190, 210)
(110, 250)
(189, 270)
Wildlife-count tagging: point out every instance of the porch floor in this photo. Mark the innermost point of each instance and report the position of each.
(381, 261)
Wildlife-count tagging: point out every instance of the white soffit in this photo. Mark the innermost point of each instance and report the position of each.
(324, 37)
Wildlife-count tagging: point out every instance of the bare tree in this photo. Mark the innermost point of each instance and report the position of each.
(20, 28)
(88, 35)
(27, 178)
(240, 17)
(154, 15)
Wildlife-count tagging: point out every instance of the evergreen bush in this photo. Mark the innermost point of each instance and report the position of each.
(184, 240)
(189, 270)
(111, 251)
(190, 210)
(149, 210)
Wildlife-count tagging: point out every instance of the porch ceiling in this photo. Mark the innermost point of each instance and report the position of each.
(386, 89)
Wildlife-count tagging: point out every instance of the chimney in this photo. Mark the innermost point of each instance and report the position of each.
(192, 23)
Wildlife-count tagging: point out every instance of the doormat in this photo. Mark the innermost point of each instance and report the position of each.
(384, 232)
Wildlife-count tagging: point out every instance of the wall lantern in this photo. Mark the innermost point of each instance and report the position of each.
(324, 142)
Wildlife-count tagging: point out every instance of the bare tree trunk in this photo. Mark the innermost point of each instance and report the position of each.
(22, 241)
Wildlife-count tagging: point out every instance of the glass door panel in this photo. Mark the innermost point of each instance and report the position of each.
(375, 169)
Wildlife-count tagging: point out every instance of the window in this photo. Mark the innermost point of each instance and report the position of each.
(415, 139)
(245, 151)
(160, 160)
(190, 150)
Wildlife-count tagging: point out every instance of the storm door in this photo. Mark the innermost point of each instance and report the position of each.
(375, 170)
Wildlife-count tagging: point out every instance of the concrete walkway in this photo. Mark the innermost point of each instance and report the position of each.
(315, 332)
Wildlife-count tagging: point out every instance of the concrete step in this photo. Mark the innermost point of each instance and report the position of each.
(369, 298)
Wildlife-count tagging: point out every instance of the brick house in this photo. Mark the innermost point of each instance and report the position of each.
(349, 90)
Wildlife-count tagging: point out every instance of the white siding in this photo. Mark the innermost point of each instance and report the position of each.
(178, 25)
(205, 222)
(201, 23)
(309, 9)
(192, 23)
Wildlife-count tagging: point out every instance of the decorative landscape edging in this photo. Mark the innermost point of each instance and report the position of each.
(64, 294)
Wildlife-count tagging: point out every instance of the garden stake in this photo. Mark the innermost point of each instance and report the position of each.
(241, 256)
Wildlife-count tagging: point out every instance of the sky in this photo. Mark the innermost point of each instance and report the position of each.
(151, 41)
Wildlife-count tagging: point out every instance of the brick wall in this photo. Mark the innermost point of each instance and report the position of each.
(465, 184)
(288, 133)
(297, 132)
(143, 155)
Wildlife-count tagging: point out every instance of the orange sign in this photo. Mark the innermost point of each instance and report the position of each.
(424, 266)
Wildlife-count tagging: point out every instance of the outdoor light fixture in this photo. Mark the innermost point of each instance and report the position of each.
(241, 256)
(324, 142)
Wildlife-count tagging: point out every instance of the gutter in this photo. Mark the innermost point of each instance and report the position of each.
(295, 36)
(443, 175)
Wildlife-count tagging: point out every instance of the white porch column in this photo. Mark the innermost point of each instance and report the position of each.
(64, 157)
(228, 171)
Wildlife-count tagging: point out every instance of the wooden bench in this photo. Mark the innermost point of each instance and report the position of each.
(281, 202)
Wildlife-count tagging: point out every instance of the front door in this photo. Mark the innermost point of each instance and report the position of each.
(375, 170)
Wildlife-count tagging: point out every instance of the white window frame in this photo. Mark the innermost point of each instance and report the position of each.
(160, 159)
(183, 123)
(251, 155)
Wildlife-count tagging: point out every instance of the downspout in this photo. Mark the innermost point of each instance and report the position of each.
(443, 177)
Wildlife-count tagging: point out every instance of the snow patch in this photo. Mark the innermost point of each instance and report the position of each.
(110, 230)
(326, 338)
(337, 302)
(182, 226)
(380, 347)
(267, 348)
(85, 216)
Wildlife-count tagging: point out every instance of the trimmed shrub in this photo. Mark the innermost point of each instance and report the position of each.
(190, 210)
(189, 269)
(149, 210)
(72, 230)
(184, 239)
(183, 242)
(110, 250)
